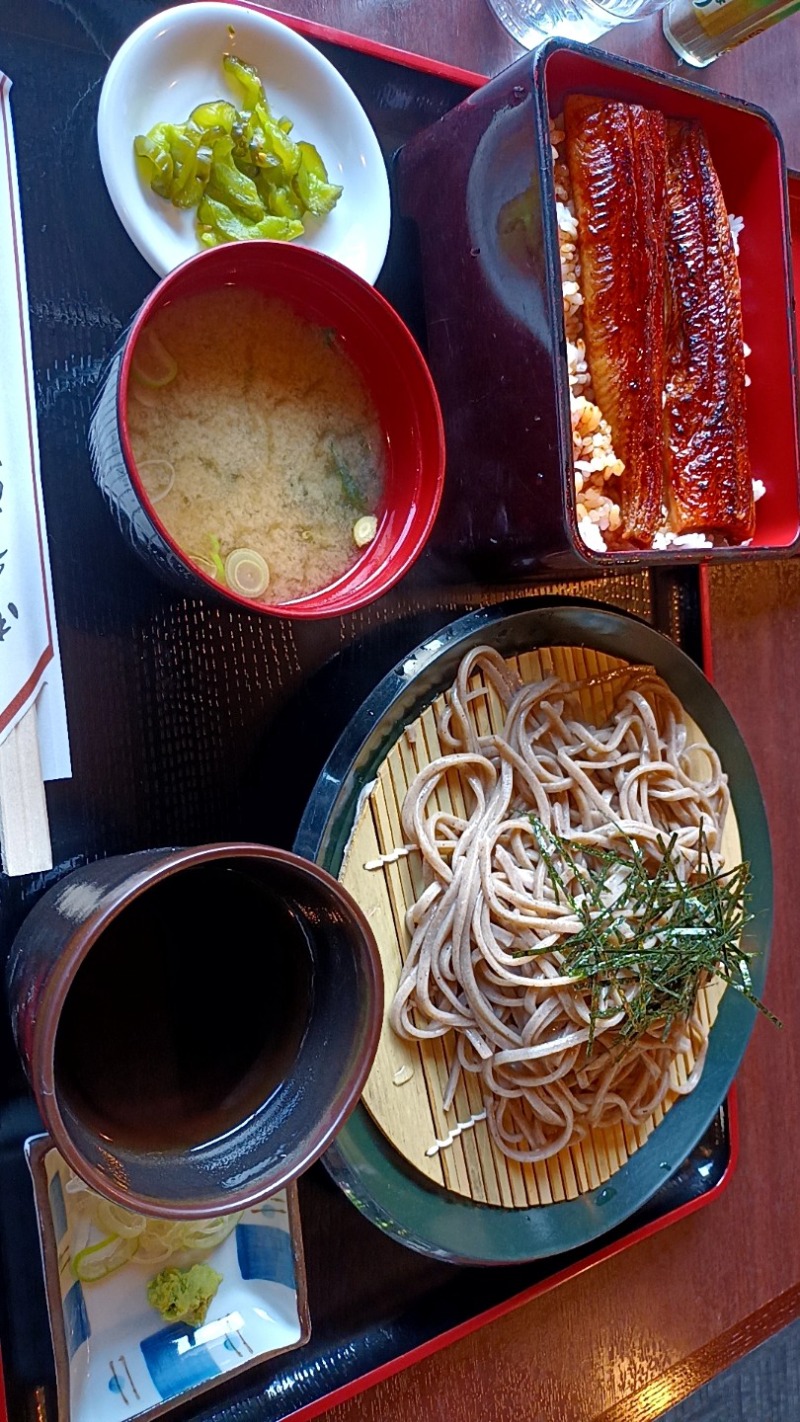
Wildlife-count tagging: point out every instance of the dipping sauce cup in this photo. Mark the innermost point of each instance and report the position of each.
(196, 1024)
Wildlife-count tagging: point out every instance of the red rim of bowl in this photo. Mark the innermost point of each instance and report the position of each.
(385, 312)
(80, 944)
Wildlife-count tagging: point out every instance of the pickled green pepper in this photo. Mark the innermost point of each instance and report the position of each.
(237, 168)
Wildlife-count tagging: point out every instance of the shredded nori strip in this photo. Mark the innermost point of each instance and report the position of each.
(661, 936)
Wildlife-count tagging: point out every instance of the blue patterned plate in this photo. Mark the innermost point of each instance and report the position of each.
(115, 1358)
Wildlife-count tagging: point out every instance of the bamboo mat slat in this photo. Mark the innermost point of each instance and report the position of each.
(406, 1088)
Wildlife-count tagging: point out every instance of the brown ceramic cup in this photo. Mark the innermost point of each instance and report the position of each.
(196, 1024)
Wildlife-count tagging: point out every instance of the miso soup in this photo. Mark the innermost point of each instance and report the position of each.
(256, 439)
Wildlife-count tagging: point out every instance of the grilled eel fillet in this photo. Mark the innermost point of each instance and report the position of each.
(617, 162)
(708, 477)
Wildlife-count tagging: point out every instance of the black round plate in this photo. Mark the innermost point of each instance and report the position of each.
(367, 1167)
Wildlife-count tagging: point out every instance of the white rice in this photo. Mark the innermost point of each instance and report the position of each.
(594, 461)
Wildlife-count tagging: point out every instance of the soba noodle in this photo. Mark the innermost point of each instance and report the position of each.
(490, 931)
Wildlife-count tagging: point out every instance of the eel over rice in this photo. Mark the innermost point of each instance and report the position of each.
(617, 161)
(708, 476)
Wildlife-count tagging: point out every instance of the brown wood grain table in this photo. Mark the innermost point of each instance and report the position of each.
(634, 1335)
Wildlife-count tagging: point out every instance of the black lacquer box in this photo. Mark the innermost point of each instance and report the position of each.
(478, 187)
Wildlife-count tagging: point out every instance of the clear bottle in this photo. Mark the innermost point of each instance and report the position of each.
(700, 30)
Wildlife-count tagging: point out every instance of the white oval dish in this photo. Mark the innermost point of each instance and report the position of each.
(174, 62)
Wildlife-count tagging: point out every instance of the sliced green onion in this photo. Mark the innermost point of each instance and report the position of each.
(99, 1260)
(158, 477)
(247, 572)
(119, 1235)
(152, 363)
(205, 565)
(216, 557)
(144, 395)
(364, 530)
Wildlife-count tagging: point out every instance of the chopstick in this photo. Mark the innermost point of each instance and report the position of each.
(25, 845)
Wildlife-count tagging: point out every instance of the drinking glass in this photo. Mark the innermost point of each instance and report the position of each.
(531, 21)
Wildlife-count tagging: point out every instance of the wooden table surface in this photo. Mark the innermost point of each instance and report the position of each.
(625, 1341)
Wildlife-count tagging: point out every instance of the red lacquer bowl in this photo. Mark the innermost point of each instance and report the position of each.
(394, 372)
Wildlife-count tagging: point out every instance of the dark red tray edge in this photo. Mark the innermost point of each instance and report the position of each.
(329, 35)
(312, 29)
(793, 187)
(515, 1301)
(490, 1315)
